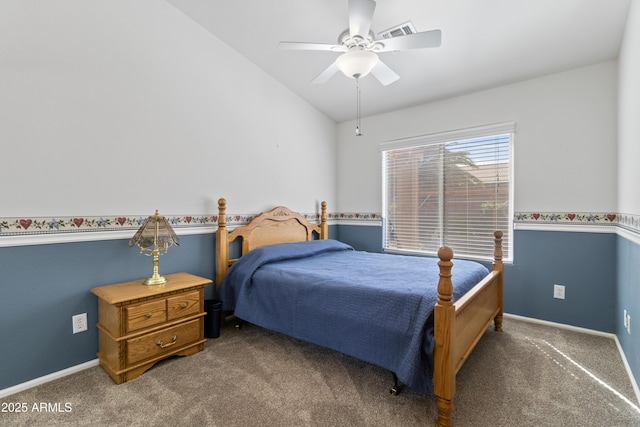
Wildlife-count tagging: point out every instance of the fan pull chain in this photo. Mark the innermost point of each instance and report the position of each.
(358, 133)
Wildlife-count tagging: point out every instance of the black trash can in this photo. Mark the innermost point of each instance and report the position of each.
(213, 307)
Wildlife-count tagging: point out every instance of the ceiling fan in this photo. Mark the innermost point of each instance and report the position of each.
(360, 48)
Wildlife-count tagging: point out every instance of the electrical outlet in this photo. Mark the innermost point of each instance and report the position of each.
(79, 322)
(628, 323)
(558, 291)
(624, 318)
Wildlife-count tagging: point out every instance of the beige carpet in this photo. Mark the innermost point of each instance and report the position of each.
(529, 375)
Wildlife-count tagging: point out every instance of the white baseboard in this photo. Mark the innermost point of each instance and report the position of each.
(634, 384)
(628, 368)
(560, 325)
(45, 379)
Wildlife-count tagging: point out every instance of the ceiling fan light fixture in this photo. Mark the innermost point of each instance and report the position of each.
(356, 63)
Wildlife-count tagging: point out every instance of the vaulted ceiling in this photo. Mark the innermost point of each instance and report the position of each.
(485, 43)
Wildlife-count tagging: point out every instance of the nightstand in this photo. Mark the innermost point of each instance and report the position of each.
(139, 325)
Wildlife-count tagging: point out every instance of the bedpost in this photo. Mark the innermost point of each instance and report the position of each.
(324, 228)
(444, 311)
(222, 242)
(499, 267)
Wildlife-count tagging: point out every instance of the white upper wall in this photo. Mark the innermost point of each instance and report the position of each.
(565, 141)
(629, 116)
(122, 107)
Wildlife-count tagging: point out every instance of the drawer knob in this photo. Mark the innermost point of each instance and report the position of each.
(148, 315)
(163, 345)
(184, 305)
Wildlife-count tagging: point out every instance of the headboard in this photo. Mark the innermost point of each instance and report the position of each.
(279, 225)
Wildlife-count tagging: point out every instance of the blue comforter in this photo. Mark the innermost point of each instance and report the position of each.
(375, 307)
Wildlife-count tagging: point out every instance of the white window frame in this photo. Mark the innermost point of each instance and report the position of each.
(448, 137)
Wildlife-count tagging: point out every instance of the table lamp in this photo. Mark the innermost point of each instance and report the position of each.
(154, 238)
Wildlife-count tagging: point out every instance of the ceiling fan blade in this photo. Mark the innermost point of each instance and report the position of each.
(412, 41)
(360, 16)
(311, 46)
(324, 76)
(384, 74)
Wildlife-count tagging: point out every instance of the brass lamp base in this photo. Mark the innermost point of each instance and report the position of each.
(155, 280)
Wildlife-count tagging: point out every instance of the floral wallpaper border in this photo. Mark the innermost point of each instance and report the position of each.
(628, 222)
(580, 218)
(53, 225)
(75, 224)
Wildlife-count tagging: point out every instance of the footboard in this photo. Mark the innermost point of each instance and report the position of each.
(459, 326)
(473, 314)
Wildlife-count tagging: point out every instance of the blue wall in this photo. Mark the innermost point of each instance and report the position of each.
(42, 286)
(362, 238)
(628, 298)
(585, 263)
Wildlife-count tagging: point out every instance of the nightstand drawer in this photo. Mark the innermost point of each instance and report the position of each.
(183, 305)
(140, 316)
(164, 341)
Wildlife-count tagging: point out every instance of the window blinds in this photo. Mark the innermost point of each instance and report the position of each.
(450, 189)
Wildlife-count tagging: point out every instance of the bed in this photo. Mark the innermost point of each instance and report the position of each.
(400, 312)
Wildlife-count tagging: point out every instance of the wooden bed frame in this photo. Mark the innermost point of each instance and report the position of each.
(458, 325)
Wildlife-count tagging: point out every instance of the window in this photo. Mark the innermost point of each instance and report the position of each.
(452, 189)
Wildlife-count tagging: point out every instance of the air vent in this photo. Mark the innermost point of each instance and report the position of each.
(398, 30)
